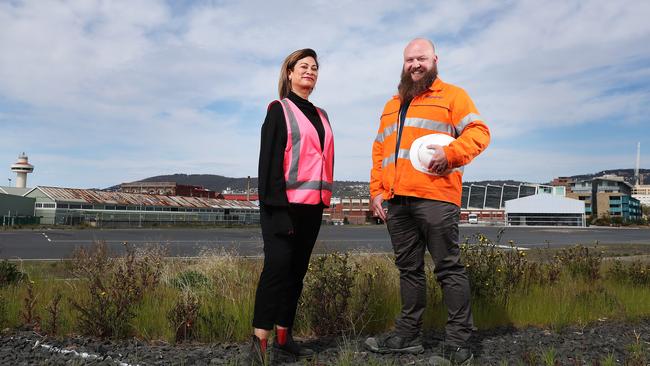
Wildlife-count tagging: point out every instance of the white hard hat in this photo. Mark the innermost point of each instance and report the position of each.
(420, 154)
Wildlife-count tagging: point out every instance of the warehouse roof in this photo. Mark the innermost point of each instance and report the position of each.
(545, 203)
(90, 196)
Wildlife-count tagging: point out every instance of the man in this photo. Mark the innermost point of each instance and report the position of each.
(423, 205)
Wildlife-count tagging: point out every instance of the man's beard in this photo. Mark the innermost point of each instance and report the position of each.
(409, 89)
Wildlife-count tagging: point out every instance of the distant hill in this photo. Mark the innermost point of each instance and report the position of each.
(627, 174)
(219, 183)
(212, 182)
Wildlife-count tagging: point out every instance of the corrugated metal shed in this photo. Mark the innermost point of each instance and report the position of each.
(135, 199)
(545, 203)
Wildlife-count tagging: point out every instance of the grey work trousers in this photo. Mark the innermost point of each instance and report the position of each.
(415, 224)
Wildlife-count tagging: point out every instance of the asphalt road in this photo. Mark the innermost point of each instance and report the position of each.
(57, 244)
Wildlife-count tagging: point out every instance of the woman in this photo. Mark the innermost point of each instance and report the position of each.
(295, 184)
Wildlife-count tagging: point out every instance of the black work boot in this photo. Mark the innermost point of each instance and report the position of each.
(452, 355)
(395, 343)
(290, 351)
(256, 354)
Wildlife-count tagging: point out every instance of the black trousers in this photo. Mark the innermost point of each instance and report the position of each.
(286, 258)
(417, 224)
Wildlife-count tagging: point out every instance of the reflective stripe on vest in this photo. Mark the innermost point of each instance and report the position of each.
(308, 176)
(427, 124)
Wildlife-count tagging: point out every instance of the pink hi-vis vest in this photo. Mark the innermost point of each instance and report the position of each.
(308, 170)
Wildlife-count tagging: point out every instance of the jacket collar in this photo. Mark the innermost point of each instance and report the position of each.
(437, 85)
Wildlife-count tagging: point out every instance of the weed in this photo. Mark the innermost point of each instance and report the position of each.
(637, 352)
(610, 360)
(549, 357)
(53, 310)
(4, 316)
(9, 273)
(529, 358)
(183, 316)
(28, 314)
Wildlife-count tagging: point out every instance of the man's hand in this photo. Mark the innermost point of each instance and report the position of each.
(377, 208)
(438, 164)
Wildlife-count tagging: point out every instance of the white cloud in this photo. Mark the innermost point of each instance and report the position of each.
(131, 89)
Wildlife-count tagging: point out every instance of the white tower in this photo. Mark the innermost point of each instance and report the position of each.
(22, 168)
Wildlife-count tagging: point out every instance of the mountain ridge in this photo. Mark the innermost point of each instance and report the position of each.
(344, 188)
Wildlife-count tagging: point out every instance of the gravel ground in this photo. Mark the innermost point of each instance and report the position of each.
(571, 346)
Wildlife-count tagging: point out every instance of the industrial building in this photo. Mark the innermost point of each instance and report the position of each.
(607, 196)
(545, 210)
(642, 193)
(493, 197)
(167, 189)
(349, 210)
(16, 210)
(69, 206)
(488, 202)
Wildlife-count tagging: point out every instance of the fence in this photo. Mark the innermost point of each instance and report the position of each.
(20, 220)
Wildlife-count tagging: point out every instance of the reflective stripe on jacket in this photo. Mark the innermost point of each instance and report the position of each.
(308, 170)
(443, 108)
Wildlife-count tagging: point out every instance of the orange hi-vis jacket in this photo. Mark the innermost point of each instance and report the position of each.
(443, 108)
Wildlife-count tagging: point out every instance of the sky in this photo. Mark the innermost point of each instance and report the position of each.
(97, 93)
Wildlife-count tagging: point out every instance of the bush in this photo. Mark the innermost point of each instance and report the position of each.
(371, 307)
(581, 262)
(115, 286)
(213, 322)
(9, 274)
(328, 286)
(495, 273)
(190, 280)
(636, 273)
(183, 316)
